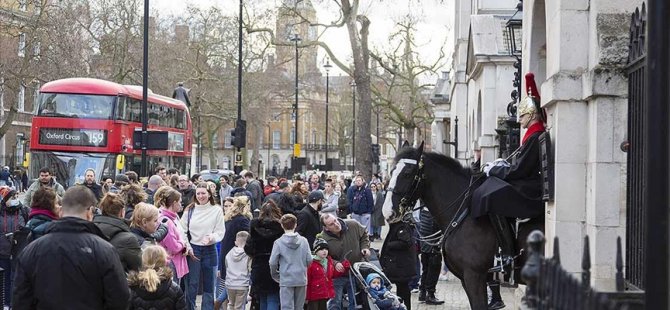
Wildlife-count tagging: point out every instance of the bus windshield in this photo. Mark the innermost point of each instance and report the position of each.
(69, 168)
(76, 106)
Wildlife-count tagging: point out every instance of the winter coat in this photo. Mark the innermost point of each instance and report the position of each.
(237, 269)
(233, 226)
(360, 199)
(13, 221)
(427, 227)
(187, 196)
(262, 235)
(39, 221)
(331, 203)
(342, 207)
(377, 218)
(256, 194)
(398, 256)
(168, 295)
(308, 224)
(353, 238)
(150, 195)
(122, 239)
(289, 260)
(514, 191)
(96, 189)
(76, 248)
(28, 198)
(174, 242)
(320, 280)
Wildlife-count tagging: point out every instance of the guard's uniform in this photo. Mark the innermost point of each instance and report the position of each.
(514, 191)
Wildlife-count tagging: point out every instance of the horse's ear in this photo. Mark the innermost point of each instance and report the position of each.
(421, 148)
(405, 144)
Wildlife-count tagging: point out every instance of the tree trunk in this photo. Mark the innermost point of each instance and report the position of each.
(361, 54)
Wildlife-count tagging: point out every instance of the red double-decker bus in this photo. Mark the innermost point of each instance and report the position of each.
(83, 123)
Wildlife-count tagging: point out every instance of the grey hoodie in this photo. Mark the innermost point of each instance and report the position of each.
(289, 260)
(237, 269)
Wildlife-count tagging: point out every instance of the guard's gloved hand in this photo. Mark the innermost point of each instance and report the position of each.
(487, 167)
(496, 163)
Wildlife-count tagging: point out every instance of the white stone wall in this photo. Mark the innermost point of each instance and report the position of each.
(579, 63)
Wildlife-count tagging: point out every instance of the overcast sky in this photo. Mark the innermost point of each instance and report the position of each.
(431, 35)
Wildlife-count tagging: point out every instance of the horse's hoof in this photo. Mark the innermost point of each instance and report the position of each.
(497, 304)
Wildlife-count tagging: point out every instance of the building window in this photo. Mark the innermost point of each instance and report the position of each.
(292, 137)
(276, 139)
(36, 95)
(313, 136)
(37, 49)
(21, 100)
(227, 139)
(215, 141)
(22, 45)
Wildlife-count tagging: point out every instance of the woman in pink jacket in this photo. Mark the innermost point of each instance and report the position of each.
(175, 243)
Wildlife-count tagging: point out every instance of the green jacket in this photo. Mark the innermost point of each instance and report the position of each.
(352, 240)
(28, 199)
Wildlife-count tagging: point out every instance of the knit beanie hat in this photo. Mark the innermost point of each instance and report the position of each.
(320, 244)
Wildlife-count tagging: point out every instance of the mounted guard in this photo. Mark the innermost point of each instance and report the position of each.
(514, 188)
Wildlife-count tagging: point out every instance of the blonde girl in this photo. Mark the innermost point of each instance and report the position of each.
(144, 223)
(152, 287)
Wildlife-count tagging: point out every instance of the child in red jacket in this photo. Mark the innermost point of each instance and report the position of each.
(320, 274)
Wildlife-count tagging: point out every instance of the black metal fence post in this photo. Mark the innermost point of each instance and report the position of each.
(530, 272)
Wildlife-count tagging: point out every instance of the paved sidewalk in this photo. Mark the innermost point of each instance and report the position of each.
(452, 292)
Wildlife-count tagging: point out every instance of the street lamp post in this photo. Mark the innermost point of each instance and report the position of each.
(238, 156)
(353, 139)
(327, 66)
(145, 90)
(269, 143)
(295, 38)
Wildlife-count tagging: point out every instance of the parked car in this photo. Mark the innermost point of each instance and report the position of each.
(214, 174)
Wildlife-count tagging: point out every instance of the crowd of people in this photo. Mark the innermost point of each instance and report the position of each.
(126, 244)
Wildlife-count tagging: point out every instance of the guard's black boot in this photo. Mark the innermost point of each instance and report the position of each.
(422, 295)
(496, 299)
(432, 300)
(505, 241)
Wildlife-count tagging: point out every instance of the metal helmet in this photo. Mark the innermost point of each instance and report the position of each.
(531, 103)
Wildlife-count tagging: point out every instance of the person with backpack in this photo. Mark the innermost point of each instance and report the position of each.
(13, 218)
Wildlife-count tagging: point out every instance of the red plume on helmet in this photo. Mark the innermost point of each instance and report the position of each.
(535, 94)
(530, 85)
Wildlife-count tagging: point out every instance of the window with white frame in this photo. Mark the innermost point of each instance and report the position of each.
(36, 94)
(22, 45)
(37, 49)
(21, 100)
(292, 137)
(276, 139)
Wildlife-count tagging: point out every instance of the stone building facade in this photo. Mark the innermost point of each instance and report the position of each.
(577, 51)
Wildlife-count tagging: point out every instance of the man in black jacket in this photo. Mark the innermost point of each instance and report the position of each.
(89, 182)
(72, 266)
(431, 258)
(309, 224)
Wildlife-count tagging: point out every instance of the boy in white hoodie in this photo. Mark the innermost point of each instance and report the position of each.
(289, 260)
(237, 273)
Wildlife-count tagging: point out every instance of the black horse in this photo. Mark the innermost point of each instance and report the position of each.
(444, 185)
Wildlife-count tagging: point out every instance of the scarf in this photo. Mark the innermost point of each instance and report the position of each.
(322, 261)
(537, 127)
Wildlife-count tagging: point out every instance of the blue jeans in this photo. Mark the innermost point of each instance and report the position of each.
(341, 285)
(207, 267)
(269, 301)
(364, 219)
(223, 295)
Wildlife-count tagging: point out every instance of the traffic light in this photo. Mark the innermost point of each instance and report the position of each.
(238, 135)
(233, 139)
(375, 153)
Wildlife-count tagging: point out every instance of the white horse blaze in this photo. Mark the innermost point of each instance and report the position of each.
(387, 209)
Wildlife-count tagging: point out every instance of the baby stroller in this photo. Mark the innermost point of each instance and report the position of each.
(360, 272)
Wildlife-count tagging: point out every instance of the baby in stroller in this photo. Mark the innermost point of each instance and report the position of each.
(384, 299)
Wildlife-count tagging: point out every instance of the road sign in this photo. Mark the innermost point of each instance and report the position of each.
(296, 150)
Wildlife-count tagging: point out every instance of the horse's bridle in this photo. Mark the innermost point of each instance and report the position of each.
(409, 199)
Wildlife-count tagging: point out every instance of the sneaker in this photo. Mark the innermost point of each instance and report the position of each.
(414, 290)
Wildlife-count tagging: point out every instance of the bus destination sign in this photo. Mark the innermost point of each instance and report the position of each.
(73, 137)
